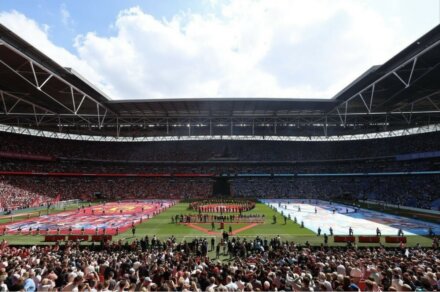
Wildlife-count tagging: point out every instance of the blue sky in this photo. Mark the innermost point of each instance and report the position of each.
(96, 16)
(211, 48)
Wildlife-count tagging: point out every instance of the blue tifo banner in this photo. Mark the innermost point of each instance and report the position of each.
(419, 155)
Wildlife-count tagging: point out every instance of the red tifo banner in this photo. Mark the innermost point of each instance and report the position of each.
(107, 174)
(24, 156)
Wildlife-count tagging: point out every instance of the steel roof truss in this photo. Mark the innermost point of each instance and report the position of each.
(433, 103)
(394, 72)
(50, 76)
(408, 82)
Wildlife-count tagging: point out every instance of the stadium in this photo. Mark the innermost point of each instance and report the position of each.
(219, 194)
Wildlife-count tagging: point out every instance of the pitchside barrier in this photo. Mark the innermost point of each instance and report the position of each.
(339, 238)
(78, 237)
(54, 238)
(99, 238)
(395, 239)
(369, 239)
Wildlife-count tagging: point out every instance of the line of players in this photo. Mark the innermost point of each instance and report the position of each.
(208, 218)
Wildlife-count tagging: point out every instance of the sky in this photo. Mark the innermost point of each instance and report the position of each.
(210, 48)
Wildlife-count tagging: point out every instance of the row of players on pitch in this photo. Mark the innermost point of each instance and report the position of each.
(205, 218)
(222, 205)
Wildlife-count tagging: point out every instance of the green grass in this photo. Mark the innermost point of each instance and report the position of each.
(162, 227)
(161, 224)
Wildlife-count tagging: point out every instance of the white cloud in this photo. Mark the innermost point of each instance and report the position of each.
(65, 15)
(283, 48)
(37, 35)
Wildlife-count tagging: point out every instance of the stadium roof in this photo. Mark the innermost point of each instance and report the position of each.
(38, 93)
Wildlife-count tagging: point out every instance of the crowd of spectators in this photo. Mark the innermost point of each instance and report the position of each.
(13, 197)
(255, 264)
(31, 191)
(212, 150)
(68, 166)
(241, 157)
(102, 167)
(415, 191)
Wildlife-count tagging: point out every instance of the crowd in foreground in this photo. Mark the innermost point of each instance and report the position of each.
(253, 265)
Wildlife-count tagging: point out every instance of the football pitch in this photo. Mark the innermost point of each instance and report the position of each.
(162, 226)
